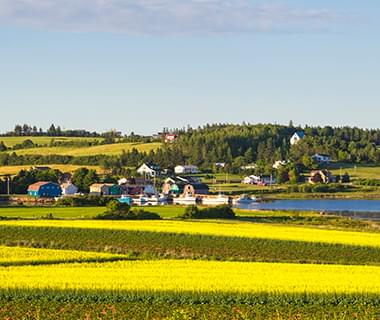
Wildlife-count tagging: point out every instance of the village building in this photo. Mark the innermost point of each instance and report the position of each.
(69, 189)
(149, 170)
(249, 167)
(45, 189)
(178, 185)
(186, 169)
(105, 189)
(99, 189)
(258, 180)
(280, 163)
(322, 158)
(321, 176)
(220, 164)
(171, 137)
(297, 137)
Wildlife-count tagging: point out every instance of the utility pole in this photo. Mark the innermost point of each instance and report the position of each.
(8, 184)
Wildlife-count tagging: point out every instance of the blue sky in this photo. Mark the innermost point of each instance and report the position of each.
(143, 65)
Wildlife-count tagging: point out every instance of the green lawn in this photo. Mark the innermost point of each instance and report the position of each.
(358, 171)
(11, 141)
(90, 212)
(107, 149)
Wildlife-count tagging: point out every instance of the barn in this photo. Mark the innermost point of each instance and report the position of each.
(45, 189)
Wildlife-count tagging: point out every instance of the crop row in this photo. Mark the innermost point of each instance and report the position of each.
(220, 228)
(57, 306)
(15, 256)
(145, 245)
(194, 276)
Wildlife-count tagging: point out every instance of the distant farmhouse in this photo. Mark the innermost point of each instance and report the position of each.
(44, 189)
(186, 169)
(297, 137)
(171, 137)
(322, 158)
(149, 169)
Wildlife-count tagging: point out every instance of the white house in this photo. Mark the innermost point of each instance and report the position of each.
(69, 189)
(249, 167)
(186, 169)
(279, 163)
(321, 158)
(297, 137)
(148, 170)
(252, 180)
(260, 180)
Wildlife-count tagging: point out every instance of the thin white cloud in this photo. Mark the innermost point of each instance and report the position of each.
(163, 17)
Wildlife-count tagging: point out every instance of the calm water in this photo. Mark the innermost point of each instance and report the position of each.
(365, 209)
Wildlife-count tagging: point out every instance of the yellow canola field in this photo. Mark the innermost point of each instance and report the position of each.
(228, 229)
(12, 255)
(195, 276)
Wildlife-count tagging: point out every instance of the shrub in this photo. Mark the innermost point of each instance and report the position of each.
(122, 211)
(218, 212)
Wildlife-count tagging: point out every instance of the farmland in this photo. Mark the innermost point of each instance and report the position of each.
(226, 229)
(13, 170)
(195, 276)
(44, 140)
(174, 269)
(104, 149)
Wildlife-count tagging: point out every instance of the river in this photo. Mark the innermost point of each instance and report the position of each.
(360, 209)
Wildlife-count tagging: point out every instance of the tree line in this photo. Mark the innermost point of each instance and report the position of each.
(236, 146)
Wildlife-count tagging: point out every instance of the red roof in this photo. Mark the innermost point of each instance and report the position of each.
(36, 186)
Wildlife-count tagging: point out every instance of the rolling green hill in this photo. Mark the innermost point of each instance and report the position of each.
(107, 149)
(11, 141)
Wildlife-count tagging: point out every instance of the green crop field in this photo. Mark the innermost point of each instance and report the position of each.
(11, 141)
(106, 149)
(178, 269)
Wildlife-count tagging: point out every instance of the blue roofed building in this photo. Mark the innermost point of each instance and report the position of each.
(44, 189)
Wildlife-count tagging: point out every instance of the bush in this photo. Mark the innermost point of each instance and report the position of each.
(218, 212)
(138, 214)
(122, 211)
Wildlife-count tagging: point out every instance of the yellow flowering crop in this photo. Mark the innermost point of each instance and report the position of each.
(228, 229)
(195, 276)
(12, 255)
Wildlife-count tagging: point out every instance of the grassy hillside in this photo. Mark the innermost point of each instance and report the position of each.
(107, 149)
(11, 141)
(13, 170)
(358, 171)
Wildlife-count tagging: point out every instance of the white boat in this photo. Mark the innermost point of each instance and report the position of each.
(220, 199)
(245, 199)
(187, 199)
